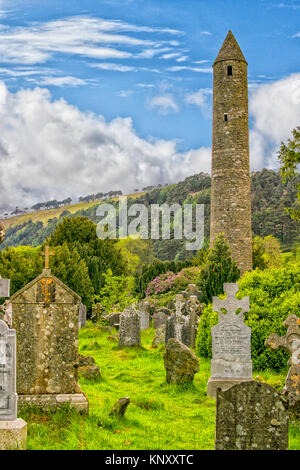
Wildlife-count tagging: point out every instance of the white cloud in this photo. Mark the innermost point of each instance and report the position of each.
(165, 104)
(275, 110)
(145, 85)
(179, 68)
(200, 99)
(61, 81)
(51, 150)
(79, 35)
(182, 58)
(115, 67)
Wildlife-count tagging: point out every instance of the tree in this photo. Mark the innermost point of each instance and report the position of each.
(218, 268)
(71, 269)
(289, 157)
(258, 253)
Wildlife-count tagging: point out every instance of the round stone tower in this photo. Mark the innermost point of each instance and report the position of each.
(231, 193)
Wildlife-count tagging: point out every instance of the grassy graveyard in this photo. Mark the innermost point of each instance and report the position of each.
(160, 416)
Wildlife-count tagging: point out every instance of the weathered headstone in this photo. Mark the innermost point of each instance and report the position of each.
(251, 416)
(144, 315)
(113, 319)
(97, 312)
(291, 343)
(8, 395)
(160, 317)
(13, 431)
(130, 329)
(181, 363)
(192, 289)
(120, 407)
(231, 342)
(82, 316)
(183, 326)
(45, 316)
(160, 334)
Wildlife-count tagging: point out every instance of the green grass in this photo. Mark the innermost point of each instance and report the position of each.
(160, 416)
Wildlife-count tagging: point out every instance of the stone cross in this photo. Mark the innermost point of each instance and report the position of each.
(291, 343)
(231, 304)
(231, 343)
(8, 395)
(47, 254)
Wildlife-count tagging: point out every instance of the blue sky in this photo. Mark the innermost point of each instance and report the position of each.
(143, 68)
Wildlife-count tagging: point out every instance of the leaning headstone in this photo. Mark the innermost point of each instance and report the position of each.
(231, 343)
(181, 363)
(130, 329)
(13, 430)
(45, 317)
(144, 315)
(291, 343)
(251, 416)
(120, 407)
(82, 316)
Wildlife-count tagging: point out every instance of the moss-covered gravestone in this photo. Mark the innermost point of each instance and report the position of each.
(45, 317)
(251, 416)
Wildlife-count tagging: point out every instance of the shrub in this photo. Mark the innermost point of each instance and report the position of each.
(274, 295)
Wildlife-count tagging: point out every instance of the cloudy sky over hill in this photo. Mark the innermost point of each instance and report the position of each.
(117, 94)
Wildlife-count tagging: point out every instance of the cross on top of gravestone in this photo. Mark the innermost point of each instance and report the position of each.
(290, 341)
(47, 254)
(231, 304)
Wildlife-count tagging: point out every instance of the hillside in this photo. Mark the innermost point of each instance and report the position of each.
(269, 199)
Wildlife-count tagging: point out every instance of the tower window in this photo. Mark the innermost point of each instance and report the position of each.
(225, 117)
(229, 70)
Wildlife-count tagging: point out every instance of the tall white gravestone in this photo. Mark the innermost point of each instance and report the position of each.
(13, 430)
(231, 342)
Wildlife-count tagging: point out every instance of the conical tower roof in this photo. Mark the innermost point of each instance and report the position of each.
(230, 50)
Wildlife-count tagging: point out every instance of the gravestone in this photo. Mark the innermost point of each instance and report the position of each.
(13, 430)
(160, 334)
(251, 416)
(130, 329)
(97, 312)
(183, 327)
(46, 319)
(180, 362)
(82, 316)
(144, 315)
(113, 319)
(8, 395)
(231, 343)
(291, 343)
(160, 317)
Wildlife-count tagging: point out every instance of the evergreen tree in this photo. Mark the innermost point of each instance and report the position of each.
(218, 268)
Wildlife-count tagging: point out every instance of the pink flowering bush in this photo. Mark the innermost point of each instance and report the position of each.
(173, 282)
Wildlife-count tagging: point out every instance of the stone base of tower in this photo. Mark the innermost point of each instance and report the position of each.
(77, 401)
(223, 384)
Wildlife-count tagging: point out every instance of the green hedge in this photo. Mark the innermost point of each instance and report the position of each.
(274, 295)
